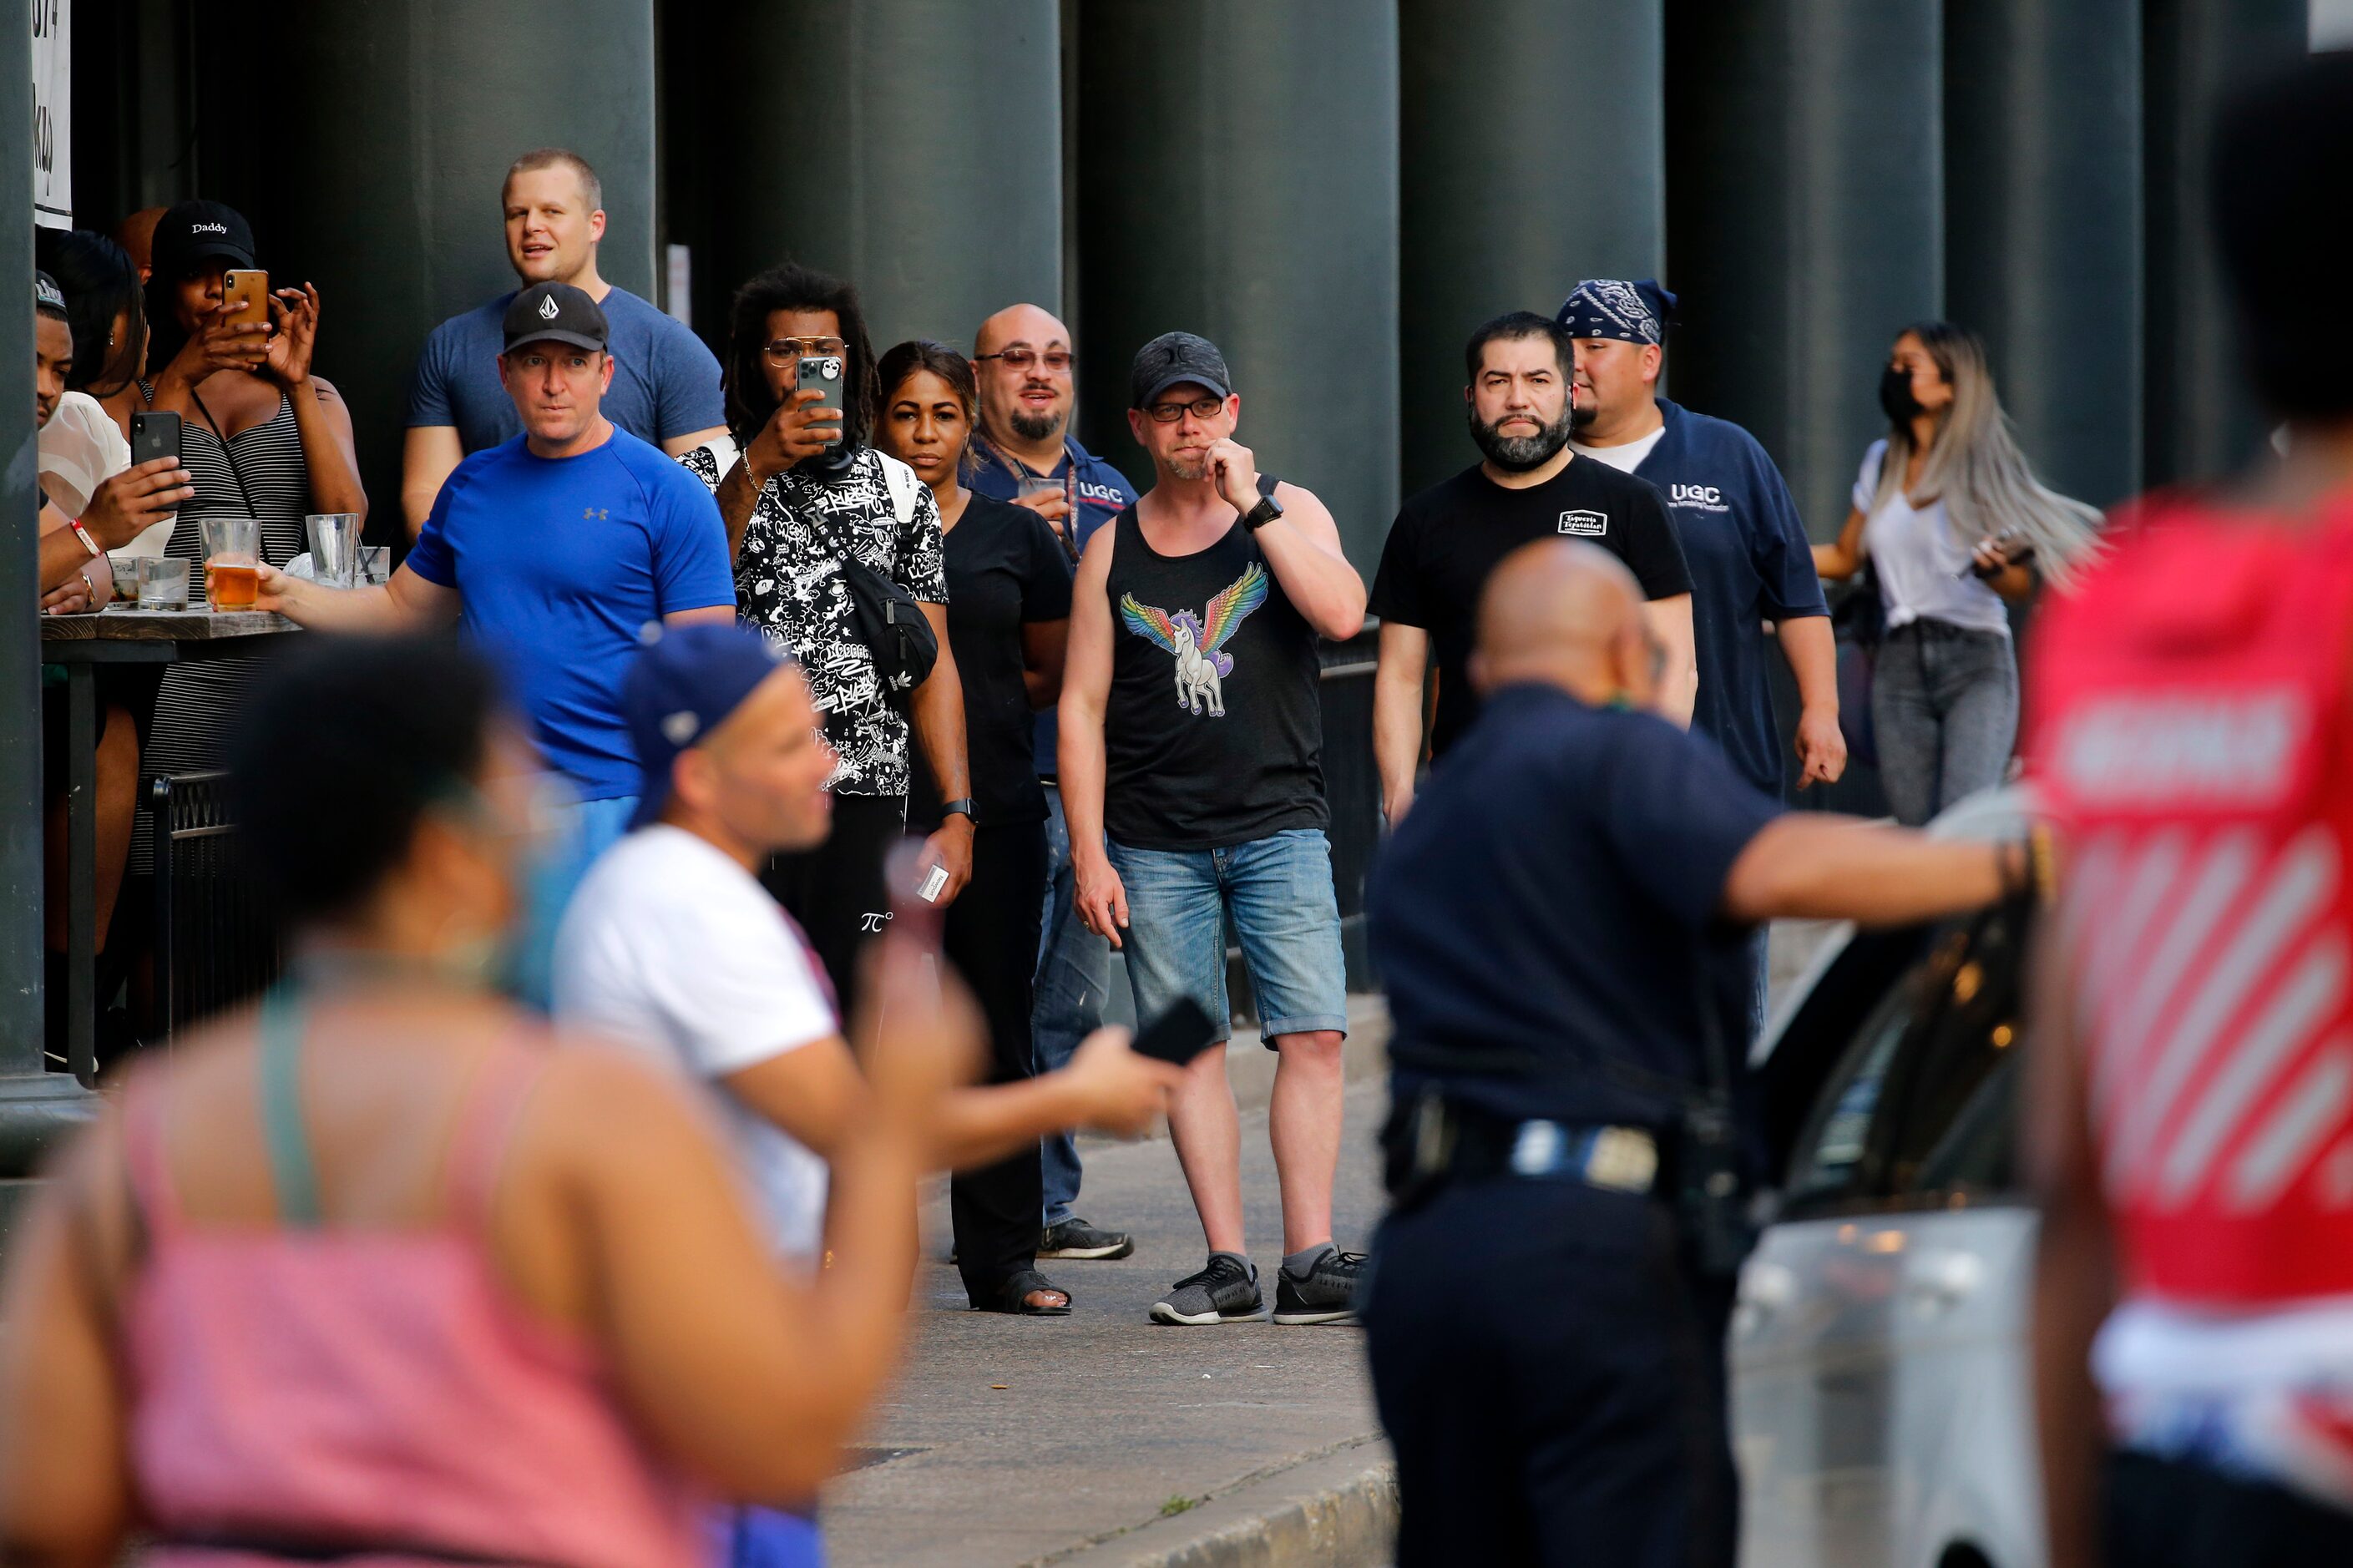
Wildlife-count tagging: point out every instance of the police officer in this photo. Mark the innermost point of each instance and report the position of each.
(1559, 922)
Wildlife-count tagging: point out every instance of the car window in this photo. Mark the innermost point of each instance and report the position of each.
(1920, 1107)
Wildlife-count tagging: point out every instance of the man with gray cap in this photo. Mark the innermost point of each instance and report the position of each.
(552, 550)
(1192, 774)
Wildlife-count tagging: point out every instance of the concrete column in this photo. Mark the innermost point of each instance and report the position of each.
(1237, 178)
(1533, 154)
(2042, 237)
(1805, 218)
(2201, 422)
(912, 146)
(372, 166)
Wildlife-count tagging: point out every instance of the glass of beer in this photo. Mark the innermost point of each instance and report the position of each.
(232, 562)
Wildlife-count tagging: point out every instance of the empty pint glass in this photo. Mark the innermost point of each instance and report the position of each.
(334, 548)
(232, 562)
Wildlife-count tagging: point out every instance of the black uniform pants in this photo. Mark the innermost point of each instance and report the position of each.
(991, 937)
(838, 891)
(1552, 1380)
(2178, 1513)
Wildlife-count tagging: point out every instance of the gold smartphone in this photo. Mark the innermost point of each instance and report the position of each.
(245, 296)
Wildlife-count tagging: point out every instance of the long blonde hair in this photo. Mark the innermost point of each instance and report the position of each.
(1975, 468)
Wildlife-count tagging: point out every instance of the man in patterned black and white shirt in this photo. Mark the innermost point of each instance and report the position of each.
(809, 486)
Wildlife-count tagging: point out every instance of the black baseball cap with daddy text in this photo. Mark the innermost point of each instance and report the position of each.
(200, 231)
(554, 312)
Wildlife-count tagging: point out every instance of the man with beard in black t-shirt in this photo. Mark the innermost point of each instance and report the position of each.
(1449, 538)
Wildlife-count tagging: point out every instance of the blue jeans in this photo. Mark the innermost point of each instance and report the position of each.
(1074, 974)
(582, 832)
(1943, 710)
(1276, 893)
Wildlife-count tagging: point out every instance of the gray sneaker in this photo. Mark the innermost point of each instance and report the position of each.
(1075, 1237)
(1326, 1293)
(1224, 1292)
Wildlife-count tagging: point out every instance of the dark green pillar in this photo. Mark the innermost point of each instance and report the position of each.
(1238, 178)
(2201, 423)
(2043, 237)
(912, 146)
(1533, 154)
(1805, 218)
(378, 175)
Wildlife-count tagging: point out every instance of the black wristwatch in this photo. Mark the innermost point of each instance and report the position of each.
(959, 808)
(1267, 510)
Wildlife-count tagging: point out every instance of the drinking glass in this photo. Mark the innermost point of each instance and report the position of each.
(334, 547)
(232, 562)
(163, 582)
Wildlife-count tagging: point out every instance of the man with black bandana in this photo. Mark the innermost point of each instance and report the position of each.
(1448, 539)
(1750, 561)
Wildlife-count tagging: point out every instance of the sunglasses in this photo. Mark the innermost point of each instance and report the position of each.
(1056, 360)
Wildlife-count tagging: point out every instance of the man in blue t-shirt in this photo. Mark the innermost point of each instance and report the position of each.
(1750, 561)
(554, 550)
(1558, 924)
(1022, 359)
(665, 384)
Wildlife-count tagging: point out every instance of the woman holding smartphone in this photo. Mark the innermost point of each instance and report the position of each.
(1954, 523)
(1009, 612)
(261, 437)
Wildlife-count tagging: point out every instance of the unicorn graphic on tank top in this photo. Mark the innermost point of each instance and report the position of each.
(1196, 642)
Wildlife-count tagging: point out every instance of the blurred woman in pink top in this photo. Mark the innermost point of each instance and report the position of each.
(369, 1272)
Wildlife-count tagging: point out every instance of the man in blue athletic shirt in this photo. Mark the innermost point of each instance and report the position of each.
(1742, 538)
(1022, 358)
(554, 550)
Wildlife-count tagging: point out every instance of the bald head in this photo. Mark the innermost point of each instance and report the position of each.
(1024, 408)
(136, 234)
(1567, 614)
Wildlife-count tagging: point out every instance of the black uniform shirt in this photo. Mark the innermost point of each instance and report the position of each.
(1550, 897)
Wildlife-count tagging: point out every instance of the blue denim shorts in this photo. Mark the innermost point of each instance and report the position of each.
(1276, 892)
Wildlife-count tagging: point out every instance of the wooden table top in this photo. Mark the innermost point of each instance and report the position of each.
(162, 626)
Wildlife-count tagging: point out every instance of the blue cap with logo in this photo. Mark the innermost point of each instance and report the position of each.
(684, 686)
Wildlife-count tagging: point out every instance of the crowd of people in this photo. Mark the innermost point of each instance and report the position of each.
(781, 672)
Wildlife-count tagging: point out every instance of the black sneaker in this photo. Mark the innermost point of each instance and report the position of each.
(1326, 1293)
(1075, 1237)
(1224, 1292)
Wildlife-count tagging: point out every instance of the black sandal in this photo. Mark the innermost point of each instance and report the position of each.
(1012, 1297)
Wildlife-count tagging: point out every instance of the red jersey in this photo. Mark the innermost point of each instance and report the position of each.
(2189, 715)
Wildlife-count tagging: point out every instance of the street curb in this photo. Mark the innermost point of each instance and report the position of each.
(1338, 1510)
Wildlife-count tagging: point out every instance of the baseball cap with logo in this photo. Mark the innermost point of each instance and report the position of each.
(200, 231)
(555, 312)
(1173, 357)
(684, 686)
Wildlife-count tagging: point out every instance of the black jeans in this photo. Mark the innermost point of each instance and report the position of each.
(2178, 1513)
(1552, 1378)
(991, 937)
(836, 890)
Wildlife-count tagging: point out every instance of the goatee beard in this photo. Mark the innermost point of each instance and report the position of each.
(1036, 426)
(1195, 467)
(1518, 454)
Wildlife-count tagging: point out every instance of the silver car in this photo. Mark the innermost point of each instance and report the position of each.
(1882, 1401)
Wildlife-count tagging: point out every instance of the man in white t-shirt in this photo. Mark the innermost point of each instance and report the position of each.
(672, 944)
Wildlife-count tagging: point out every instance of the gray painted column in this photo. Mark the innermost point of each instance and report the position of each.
(383, 178)
(1805, 219)
(1238, 178)
(1533, 154)
(912, 146)
(2201, 423)
(2043, 165)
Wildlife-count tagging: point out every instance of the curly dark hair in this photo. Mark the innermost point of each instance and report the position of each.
(793, 286)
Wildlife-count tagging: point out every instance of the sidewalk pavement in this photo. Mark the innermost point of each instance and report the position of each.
(1103, 1437)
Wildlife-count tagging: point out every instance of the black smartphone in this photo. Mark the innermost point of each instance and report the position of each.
(155, 435)
(822, 374)
(1178, 1036)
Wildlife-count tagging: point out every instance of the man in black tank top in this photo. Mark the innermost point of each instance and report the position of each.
(1192, 774)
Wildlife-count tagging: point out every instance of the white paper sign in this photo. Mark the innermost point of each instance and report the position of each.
(52, 113)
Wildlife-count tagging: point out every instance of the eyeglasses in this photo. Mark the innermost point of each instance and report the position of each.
(1200, 408)
(784, 350)
(1057, 360)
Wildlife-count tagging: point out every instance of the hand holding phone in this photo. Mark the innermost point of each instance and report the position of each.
(245, 297)
(824, 375)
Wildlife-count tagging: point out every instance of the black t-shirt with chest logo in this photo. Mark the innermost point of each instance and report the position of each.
(1448, 539)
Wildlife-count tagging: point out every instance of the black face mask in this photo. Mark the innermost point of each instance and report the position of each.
(1895, 395)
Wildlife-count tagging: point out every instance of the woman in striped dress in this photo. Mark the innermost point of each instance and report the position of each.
(261, 436)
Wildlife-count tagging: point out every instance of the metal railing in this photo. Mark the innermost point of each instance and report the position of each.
(214, 945)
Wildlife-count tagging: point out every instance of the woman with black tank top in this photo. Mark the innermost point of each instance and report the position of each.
(261, 436)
